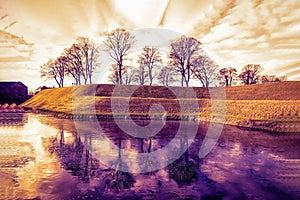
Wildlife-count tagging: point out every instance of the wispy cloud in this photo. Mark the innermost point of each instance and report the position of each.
(212, 16)
(234, 32)
(249, 31)
(14, 48)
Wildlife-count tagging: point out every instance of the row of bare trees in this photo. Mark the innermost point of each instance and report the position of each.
(119, 43)
(188, 58)
(185, 61)
(150, 66)
(185, 58)
(78, 62)
(250, 74)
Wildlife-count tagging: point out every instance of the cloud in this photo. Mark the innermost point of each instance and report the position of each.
(212, 16)
(14, 59)
(265, 32)
(14, 48)
(234, 32)
(180, 15)
(3, 17)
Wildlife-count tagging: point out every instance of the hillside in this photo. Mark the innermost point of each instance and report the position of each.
(245, 105)
(289, 90)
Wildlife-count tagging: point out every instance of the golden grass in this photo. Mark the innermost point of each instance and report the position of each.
(57, 100)
(273, 101)
(277, 110)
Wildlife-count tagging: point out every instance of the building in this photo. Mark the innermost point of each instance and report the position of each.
(13, 92)
(41, 88)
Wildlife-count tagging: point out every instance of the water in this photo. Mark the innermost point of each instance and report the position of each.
(43, 157)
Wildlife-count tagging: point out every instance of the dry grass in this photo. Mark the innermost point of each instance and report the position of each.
(277, 110)
(272, 101)
(57, 100)
(289, 90)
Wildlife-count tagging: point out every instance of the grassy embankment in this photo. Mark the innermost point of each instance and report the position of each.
(271, 106)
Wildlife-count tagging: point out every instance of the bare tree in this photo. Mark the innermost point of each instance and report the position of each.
(250, 74)
(118, 43)
(81, 60)
(129, 75)
(141, 74)
(114, 74)
(228, 75)
(60, 64)
(78, 61)
(183, 52)
(271, 78)
(48, 71)
(150, 57)
(55, 69)
(166, 76)
(74, 62)
(205, 70)
(88, 50)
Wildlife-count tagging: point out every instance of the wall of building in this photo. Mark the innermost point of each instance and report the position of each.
(13, 92)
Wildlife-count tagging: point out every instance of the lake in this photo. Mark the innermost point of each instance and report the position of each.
(43, 157)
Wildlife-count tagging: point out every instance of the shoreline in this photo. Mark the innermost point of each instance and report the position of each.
(270, 126)
(256, 107)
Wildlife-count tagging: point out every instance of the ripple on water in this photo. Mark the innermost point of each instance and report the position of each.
(43, 157)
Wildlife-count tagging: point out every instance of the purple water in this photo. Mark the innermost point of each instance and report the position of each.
(43, 157)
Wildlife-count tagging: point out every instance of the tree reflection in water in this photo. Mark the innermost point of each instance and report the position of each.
(146, 147)
(115, 179)
(243, 164)
(74, 156)
(183, 170)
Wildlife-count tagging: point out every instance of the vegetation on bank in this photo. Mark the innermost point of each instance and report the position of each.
(245, 105)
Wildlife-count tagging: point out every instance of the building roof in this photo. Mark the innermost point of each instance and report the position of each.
(11, 82)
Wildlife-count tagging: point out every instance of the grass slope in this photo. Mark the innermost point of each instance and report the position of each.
(276, 102)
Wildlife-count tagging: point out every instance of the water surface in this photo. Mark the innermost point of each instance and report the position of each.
(43, 157)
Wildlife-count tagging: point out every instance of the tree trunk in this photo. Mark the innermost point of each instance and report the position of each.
(150, 74)
(248, 79)
(186, 82)
(90, 78)
(56, 80)
(120, 73)
(166, 80)
(150, 78)
(188, 76)
(142, 145)
(62, 139)
(150, 145)
(226, 81)
(91, 64)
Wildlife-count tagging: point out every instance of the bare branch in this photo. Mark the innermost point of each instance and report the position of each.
(150, 57)
(249, 74)
(205, 70)
(183, 52)
(118, 43)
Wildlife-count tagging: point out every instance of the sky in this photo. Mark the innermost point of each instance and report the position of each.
(234, 33)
